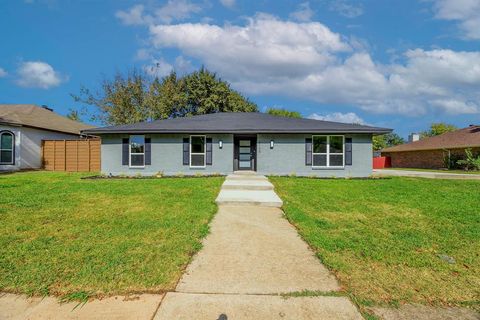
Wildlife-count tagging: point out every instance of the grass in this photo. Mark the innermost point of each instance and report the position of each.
(61, 235)
(436, 170)
(387, 239)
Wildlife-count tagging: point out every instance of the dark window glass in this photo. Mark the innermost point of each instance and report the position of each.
(137, 160)
(336, 160)
(137, 144)
(336, 144)
(198, 144)
(319, 160)
(6, 156)
(198, 160)
(319, 144)
(6, 142)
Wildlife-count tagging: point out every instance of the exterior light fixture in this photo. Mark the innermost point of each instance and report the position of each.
(271, 144)
(220, 144)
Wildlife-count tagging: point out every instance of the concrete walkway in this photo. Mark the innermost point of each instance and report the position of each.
(424, 174)
(251, 256)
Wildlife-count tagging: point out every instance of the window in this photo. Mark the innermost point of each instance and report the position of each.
(137, 151)
(197, 151)
(7, 141)
(328, 151)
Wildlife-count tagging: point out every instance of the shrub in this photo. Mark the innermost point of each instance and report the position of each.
(471, 162)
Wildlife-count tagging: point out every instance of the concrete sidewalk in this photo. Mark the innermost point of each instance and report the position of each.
(251, 256)
(424, 174)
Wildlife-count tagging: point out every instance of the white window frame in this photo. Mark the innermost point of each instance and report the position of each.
(135, 153)
(12, 150)
(328, 153)
(196, 153)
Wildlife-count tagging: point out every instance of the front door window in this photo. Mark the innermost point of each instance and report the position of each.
(245, 154)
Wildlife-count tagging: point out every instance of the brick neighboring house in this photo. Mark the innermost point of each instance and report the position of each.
(432, 153)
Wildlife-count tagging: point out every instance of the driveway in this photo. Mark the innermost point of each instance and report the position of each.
(424, 174)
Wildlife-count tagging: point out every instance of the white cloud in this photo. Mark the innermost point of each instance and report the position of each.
(158, 68)
(466, 12)
(228, 3)
(306, 60)
(349, 117)
(346, 9)
(173, 10)
(303, 13)
(38, 74)
(134, 16)
(3, 73)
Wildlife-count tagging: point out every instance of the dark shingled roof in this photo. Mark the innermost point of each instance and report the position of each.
(463, 138)
(238, 122)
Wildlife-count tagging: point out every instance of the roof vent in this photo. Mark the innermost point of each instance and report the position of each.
(46, 107)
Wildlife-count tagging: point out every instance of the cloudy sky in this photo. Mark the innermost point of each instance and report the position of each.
(399, 64)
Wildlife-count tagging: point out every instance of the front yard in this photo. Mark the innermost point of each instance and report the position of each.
(66, 236)
(392, 240)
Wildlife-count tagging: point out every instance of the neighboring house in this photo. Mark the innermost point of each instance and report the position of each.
(435, 152)
(22, 129)
(227, 142)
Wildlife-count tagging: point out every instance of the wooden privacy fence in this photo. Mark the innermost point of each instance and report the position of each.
(71, 155)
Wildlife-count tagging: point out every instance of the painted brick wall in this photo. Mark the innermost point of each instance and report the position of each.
(426, 159)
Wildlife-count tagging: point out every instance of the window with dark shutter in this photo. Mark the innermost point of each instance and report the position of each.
(125, 146)
(209, 152)
(186, 151)
(148, 151)
(308, 152)
(348, 151)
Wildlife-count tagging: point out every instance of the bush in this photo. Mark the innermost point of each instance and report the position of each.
(471, 162)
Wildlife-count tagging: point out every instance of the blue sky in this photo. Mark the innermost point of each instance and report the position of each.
(398, 64)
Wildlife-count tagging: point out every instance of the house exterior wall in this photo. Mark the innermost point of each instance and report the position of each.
(28, 146)
(424, 159)
(167, 156)
(287, 156)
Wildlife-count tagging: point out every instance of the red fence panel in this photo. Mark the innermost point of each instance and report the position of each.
(382, 162)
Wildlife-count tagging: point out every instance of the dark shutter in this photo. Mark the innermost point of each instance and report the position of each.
(308, 151)
(186, 151)
(125, 146)
(208, 161)
(148, 151)
(348, 151)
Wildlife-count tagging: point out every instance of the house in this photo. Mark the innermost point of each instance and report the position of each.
(226, 142)
(22, 129)
(435, 152)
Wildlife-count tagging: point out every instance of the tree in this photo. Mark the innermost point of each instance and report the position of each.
(137, 97)
(283, 113)
(73, 115)
(386, 141)
(437, 129)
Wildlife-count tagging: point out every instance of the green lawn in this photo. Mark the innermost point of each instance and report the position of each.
(385, 238)
(63, 235)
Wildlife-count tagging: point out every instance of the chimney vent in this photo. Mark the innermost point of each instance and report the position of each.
(413, 137)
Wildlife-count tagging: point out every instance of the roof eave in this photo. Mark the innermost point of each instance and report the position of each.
(359, 131)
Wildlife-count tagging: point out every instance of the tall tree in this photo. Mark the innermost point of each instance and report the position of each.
(386, 140)
(137, 97)
(283, 113)
(437, 129)
(73, 114)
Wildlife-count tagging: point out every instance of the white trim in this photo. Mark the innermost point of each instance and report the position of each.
(198, 153)
(12, 148)
(328, 153)
(136, 153)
